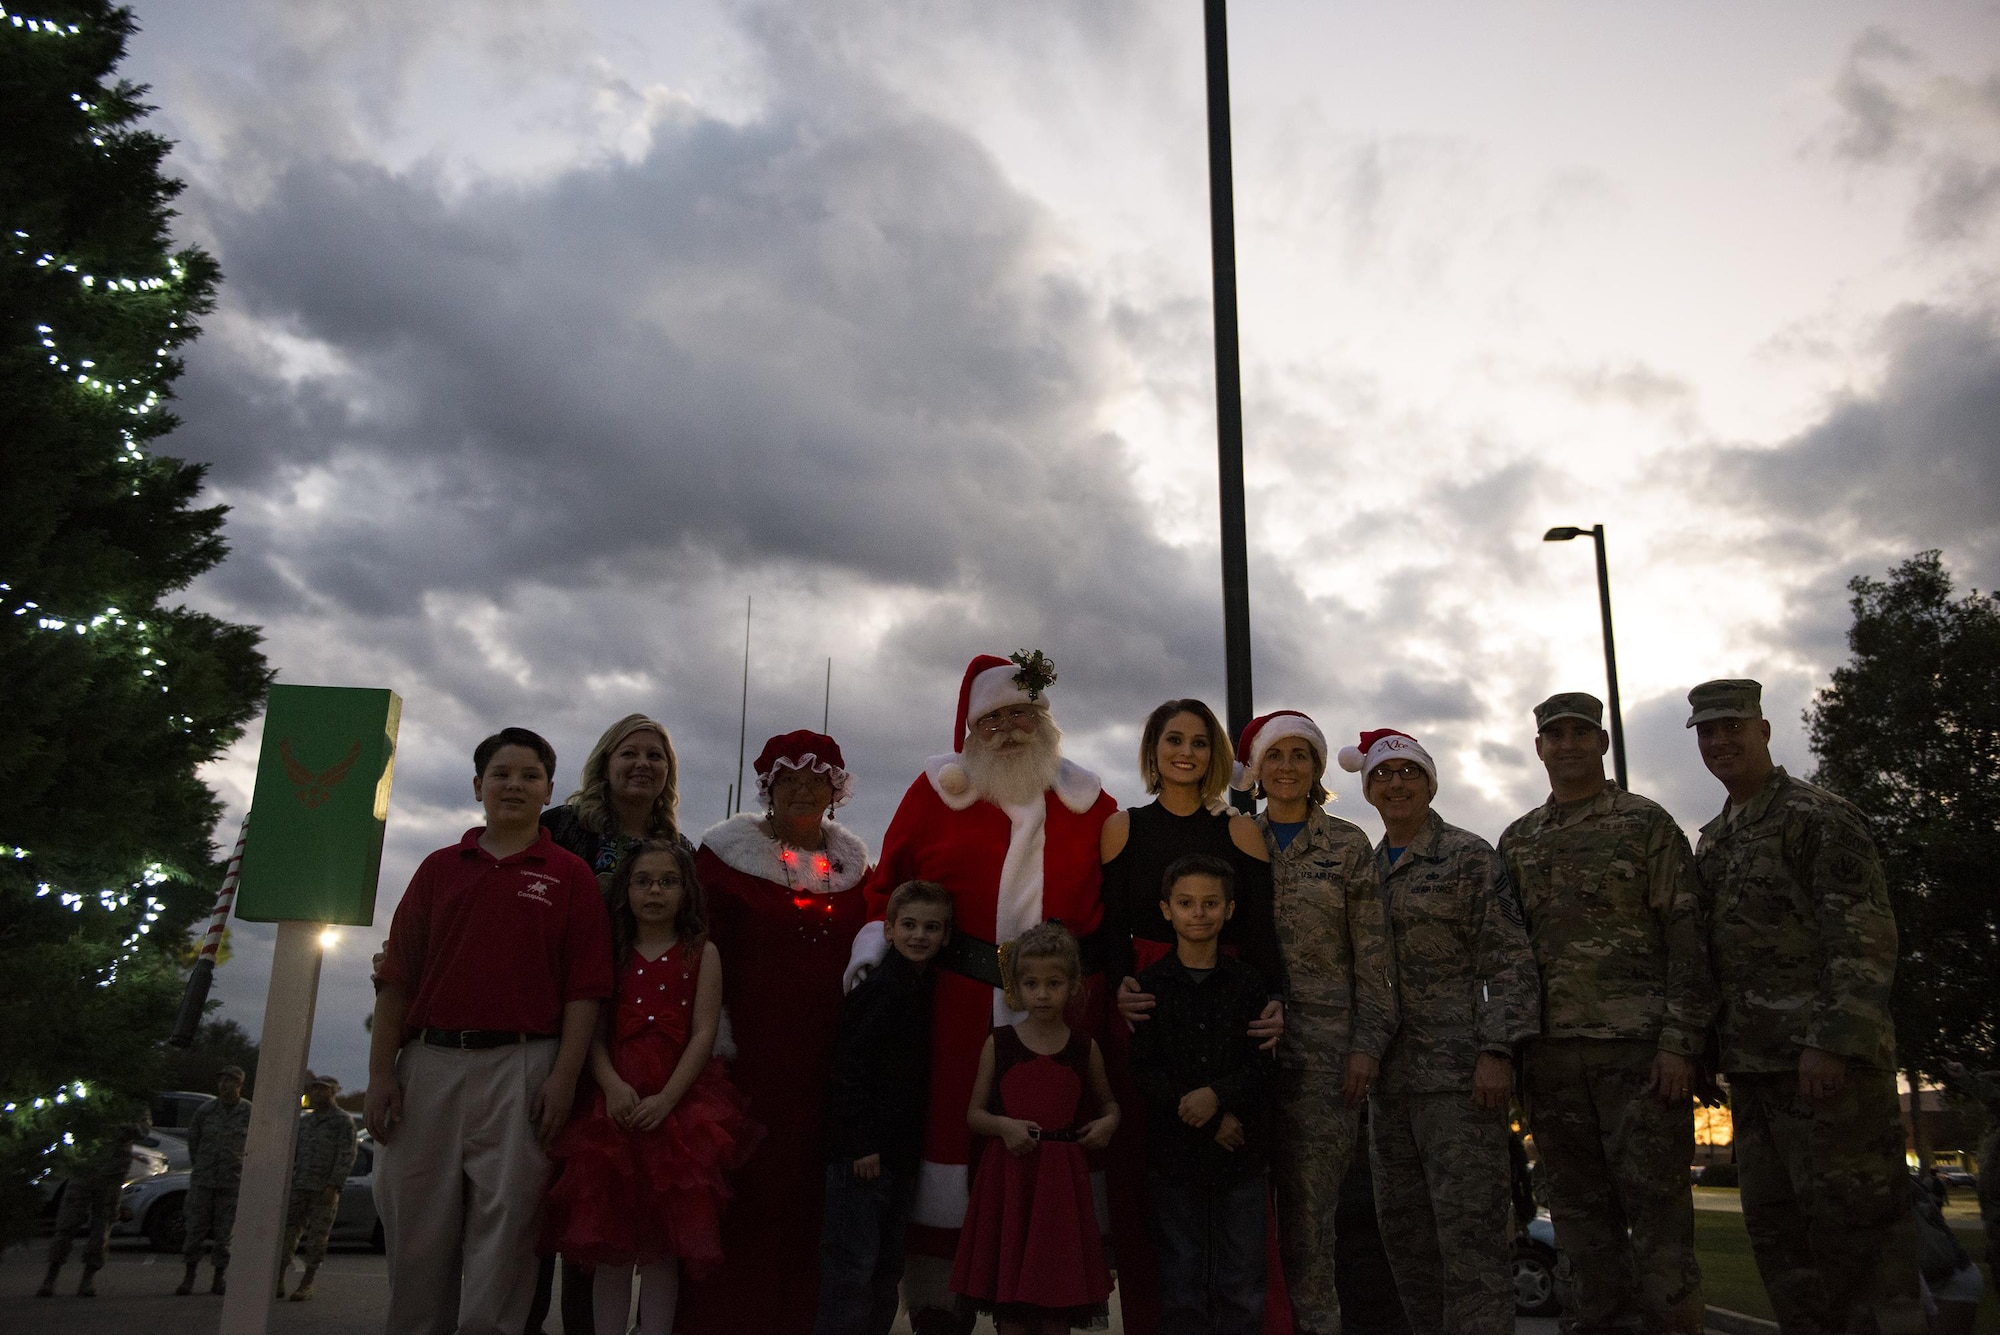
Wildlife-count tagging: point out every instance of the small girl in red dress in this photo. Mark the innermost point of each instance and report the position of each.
(1030, 1252)
(642, 1183)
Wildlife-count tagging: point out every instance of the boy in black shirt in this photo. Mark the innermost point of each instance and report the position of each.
(875, 1118)
(1208, 1101)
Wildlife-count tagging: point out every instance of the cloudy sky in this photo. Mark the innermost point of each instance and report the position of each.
(553, 331)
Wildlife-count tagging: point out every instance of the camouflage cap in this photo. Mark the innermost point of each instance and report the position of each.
(1726, 697)
(327, 1080)
(236, 1071)
(1570, 704)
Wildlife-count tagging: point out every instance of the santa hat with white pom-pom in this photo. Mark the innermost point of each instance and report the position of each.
(1386, 744)
(991, 683)
(1260, 734)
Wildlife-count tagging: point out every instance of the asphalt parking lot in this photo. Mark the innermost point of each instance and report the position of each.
(135, 1293)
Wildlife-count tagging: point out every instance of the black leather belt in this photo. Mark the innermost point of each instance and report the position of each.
(1069, 1134)
(979, 960)
(470, 1039)
(966, 954)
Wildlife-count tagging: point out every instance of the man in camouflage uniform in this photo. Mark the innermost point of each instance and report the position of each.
(90, 1200)
(1615, 916)
(216, 1134)
(1804, 949)
(1340, 1007)
(321, 1158)
(1985, 1086)
(1466, 995)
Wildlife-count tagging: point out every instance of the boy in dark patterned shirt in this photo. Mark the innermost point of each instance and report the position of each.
(1207, 1087)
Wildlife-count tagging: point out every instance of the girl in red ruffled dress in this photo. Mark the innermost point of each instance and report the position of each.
(1030, 1252)
(642, 1184)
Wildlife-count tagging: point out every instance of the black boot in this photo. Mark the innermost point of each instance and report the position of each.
(87, 1286)
(218, 1287)
(187, 1281)
(48, 1289)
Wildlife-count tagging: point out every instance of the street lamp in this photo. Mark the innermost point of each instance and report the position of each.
(1596, 533)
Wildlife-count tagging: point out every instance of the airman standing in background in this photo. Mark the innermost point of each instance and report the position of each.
(1616, 920)
(215, 1154)
(90, 1201)
(321, 1159)
(1803, 944)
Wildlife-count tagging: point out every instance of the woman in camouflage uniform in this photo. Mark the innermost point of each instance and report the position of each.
(1333, 941)
(1467, 994)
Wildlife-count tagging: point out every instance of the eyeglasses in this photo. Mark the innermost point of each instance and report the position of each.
(641, 881)
(1388, 773)
(1002, 719)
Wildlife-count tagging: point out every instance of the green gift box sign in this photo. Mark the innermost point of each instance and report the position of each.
(314, 850)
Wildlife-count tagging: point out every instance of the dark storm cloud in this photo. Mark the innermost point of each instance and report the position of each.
(1893, 109)
(526, 446)
(1916, 464)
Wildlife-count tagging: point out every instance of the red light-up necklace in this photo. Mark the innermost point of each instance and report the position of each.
(808, 871)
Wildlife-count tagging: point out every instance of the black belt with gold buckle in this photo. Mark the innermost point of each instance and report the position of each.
(473, 1039)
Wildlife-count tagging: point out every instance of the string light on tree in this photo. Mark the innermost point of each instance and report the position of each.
(116, 693)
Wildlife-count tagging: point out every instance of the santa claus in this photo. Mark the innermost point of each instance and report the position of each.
(1011, 829)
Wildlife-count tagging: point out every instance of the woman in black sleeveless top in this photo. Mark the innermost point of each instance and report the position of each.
(1184, 757)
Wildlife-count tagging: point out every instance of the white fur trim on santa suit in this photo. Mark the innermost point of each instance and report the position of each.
(943, 1193)
(1075, 787)
(1019, 903)
(871, 943)
(993, 689)
(743, 846)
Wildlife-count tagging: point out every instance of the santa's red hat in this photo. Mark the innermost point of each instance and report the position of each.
(992, 682)
(1260, 734)
(1386, 744)
(814, 752)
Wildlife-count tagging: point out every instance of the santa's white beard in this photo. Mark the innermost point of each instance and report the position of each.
(1017, 776)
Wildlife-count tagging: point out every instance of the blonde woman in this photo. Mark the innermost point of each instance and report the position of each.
(629, 791)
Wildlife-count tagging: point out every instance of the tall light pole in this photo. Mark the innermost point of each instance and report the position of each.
(1596, 532)
(1228, 373)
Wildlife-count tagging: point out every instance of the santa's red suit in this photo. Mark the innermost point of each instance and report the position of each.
(1007, 869)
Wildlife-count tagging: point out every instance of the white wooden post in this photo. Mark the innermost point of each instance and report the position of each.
(274, 1127)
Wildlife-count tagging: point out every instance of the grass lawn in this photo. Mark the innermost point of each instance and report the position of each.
(1729, 1273)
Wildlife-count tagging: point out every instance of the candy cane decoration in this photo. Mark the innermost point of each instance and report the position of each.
(195, 999)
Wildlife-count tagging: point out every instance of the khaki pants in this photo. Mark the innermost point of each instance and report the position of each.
(459, 1188)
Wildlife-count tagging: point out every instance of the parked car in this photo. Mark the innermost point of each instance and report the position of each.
(147, 1163)
(1535, 1270)
(171, 1146)
(173, 1109)
(151, 1208)
(1956, 1178)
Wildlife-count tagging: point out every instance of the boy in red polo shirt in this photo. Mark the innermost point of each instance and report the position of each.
(484, 1009)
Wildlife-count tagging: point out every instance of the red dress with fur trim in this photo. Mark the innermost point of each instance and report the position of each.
(784, 928)
(630, 1197)
(1030, 1237)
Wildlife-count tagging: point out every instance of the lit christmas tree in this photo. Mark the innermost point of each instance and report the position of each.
(112, 698)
